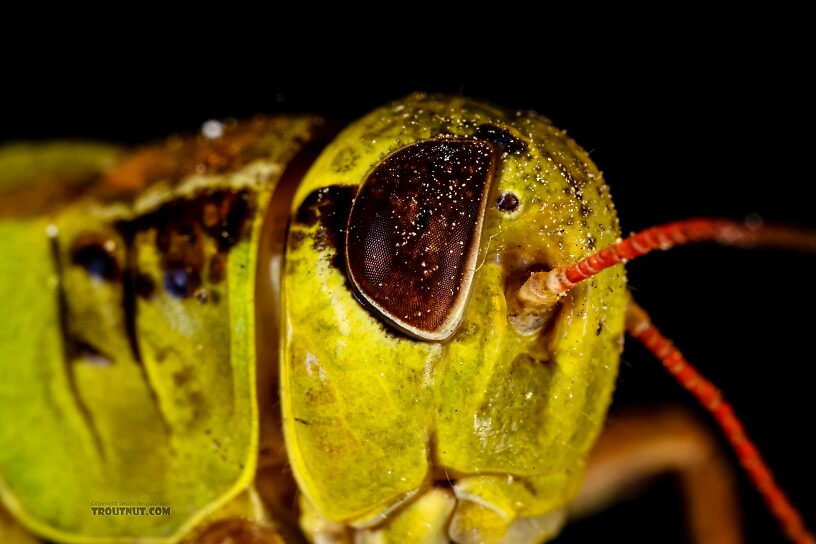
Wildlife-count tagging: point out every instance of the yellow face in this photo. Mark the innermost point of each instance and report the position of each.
(405, 378)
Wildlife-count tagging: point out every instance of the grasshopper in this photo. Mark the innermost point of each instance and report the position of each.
(413, 326)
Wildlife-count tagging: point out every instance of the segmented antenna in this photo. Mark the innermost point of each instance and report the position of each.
(542, 290)
(545, 288)
(641, 328)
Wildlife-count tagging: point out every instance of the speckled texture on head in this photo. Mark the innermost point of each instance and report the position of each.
(373, 418)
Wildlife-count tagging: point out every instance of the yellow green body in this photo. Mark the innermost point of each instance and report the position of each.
(179, 426)
(373, 418)
(482, 438)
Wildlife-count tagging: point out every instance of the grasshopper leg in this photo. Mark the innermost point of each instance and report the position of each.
(637, 446)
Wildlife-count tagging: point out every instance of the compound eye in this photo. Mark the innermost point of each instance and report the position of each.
(413, 234)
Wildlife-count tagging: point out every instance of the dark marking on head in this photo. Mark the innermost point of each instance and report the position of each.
(72, 348)
(583, 207)
(296, 238)
(95, 253)
(144, 286)
(501, 138)
(413, 233)
(91, 354)
(507, 202)
(183, 227)
(180, 280)
(129, 289)
(232, 212)
(323, 204)
(204, 296)
(198, 401)
(345, 160)
(591, 243)
(528, 485)
(218, 267)
(181, 246)
(329, 209)
(183, 376)
(444, 483)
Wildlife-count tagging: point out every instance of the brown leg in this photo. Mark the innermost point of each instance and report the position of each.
(12, 532)
(637, 446)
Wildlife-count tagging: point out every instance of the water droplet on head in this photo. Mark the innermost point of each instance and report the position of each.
(212, 129)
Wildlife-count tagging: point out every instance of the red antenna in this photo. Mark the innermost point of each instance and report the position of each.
(640, 327)
(545, 285)
(543, 289)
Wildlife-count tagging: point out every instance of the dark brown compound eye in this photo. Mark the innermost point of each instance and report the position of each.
(413, 234)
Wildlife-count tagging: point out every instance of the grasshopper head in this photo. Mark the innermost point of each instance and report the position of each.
(408, 371)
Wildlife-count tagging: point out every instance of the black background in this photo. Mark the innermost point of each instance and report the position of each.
(706, 120)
